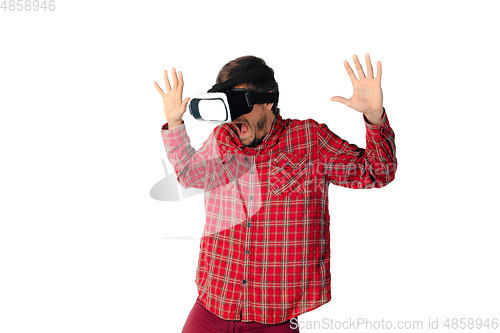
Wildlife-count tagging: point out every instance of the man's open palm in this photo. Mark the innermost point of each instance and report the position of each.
(173, 105)
(367, 94)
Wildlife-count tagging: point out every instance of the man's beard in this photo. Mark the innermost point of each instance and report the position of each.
(259, 127)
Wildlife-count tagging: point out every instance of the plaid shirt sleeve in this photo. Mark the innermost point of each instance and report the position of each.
(189, 165)
(348, 165)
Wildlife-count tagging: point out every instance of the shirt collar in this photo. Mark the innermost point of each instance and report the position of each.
(273, 134)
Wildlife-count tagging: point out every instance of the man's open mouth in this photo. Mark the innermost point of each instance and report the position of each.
(242, 128)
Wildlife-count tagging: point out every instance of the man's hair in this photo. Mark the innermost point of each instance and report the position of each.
(260, 85)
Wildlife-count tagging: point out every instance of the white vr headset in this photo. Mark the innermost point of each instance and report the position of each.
(223, 103)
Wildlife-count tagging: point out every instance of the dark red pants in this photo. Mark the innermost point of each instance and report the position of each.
(200, 320)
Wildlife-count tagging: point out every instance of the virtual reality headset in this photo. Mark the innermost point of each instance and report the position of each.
(223, 103)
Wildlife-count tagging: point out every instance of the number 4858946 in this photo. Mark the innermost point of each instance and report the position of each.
(28, 5)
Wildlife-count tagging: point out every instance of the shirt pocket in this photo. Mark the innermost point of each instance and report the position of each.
(288, 174)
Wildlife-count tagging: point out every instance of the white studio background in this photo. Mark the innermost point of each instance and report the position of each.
(84, 247)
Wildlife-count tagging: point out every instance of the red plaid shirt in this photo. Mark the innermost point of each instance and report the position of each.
(265, 250)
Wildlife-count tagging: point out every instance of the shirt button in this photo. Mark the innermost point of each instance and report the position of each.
(249, 224)
(251, 197)
(251, 172)
(287, 163)
(247, 252)
(244, 281)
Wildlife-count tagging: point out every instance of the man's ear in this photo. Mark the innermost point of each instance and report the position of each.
(268, 106)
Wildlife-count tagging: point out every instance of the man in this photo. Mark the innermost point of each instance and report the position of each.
(265, 252)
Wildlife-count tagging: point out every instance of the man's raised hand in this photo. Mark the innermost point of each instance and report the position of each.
(173, 105)
(367, 94)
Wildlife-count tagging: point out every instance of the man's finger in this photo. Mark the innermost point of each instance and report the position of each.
(379, 71)
(350, 72)
(159, 89)
(361, 74)
(174, 79)
(369, 68)
(184, 105)
(167, 82)
(341, 100)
